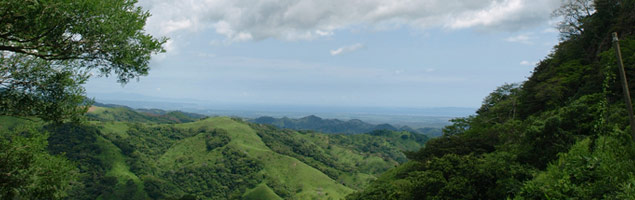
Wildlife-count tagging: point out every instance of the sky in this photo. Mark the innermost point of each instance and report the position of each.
(369, 53)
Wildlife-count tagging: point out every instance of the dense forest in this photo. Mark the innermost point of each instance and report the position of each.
(561, 134)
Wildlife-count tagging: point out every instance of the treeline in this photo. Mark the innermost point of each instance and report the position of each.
(120, 113)
(562, 134)
(353, 126)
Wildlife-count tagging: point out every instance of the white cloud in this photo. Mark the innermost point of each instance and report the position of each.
(522, 38)
(170, 26)
(494, 13)
(347, 49)
(241, 20)
(324, 33)
(527, 63)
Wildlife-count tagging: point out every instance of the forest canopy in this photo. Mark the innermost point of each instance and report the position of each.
(561, 134)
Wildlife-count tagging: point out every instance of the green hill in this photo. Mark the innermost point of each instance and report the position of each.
(108, 112)
(218, 158)
(353, 126)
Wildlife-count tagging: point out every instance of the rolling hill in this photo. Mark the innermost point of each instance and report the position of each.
(112, 112)
(124, 154)
(353, 126)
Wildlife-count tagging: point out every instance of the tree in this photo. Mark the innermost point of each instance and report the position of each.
(35, 87)
(574, 14)
(28, 171)
(47, 51)
(63, 41)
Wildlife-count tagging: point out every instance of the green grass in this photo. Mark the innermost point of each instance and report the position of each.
(289, 171)
(114, 129)
(286, 174)
(111, 156)
(260, 192)
(8, 122)
(189, 151)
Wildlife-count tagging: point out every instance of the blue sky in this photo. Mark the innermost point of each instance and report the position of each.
(401, 53)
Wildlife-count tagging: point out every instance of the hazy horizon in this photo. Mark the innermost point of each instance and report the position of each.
(420, 117)
(369, 54)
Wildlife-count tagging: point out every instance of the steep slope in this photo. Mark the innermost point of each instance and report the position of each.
(288, 171)
(562, 134)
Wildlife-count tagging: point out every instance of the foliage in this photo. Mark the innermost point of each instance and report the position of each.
(562, 134)
(34, 87)
(225, 179)
(591, 169)
(78, 144)
(216, 138)
(493, 176)
(575, 14)
(104, 35)
(28, 171)
(387, 145)
(120, 160)
(48, 48)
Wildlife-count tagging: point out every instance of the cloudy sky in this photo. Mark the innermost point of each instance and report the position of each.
(384, 53)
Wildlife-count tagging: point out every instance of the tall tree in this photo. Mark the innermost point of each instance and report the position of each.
(574, 14)
(62, 42)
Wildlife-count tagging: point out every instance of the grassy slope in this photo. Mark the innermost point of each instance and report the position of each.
(311, 182)
(111, 156)
(128, 115)
(304, 180)
(262, 191)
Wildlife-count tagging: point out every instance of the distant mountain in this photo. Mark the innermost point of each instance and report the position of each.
(353, 126)
(113, 112)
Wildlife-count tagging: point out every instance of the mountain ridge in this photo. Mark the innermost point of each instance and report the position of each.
(352, 126)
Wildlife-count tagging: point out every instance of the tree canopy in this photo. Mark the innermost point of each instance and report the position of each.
(561, 134)
(63, 42)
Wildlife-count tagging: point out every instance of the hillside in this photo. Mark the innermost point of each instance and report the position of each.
(353, 126)
(111, 112)
(561, 134)
(218, 158)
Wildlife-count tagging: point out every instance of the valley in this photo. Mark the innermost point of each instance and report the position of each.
(122, 153)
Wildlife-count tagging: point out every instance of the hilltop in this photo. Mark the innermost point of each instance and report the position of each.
(113, 112)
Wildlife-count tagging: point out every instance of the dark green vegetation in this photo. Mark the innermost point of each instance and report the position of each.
(562, 134)
(352, 126)
(209, 158)
(28, 170)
